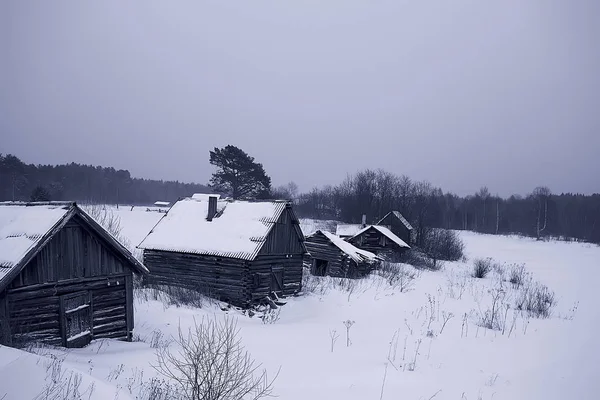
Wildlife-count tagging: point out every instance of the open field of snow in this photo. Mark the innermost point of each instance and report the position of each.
(422, 342)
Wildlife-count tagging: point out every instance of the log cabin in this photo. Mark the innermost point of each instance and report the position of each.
(399, 226)
(240, 252)
(381, 241)
(333, 256)
(64, 280)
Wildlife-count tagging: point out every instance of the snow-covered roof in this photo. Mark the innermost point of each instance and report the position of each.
(386, 232)
(162, 203)
(239, 229)
(353, 252)
(400, 217)
(348, 229)
(21, 228)
(204, 196)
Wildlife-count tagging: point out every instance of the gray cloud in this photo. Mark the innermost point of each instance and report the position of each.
(462, 94)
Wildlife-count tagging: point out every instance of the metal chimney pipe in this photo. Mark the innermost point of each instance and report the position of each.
(212, 208)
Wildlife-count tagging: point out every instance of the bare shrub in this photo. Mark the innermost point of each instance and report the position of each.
(158, 389)
(491, 318)
(418, 259)
(517, 275)
(442, 244)
(106, 217)
(175, 296)
(482, 267)
(535, 299)
(210, 363)
(398, 276)
(63, 385)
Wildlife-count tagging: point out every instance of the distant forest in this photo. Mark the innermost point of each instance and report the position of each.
(539, 214)
(85, 183)
(374, 193)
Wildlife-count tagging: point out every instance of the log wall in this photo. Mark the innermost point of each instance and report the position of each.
(223, 278)
(34, 311)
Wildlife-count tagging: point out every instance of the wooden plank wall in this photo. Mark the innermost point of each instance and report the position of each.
(261, 269)
(284, 237)
(73, 252)
(397, 227)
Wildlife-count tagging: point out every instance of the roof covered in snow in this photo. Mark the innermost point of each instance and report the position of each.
(348, 230)
(161, 203)
(400, 217)
(24, 226)
(386, 232)
(238, 230)
(350, 250)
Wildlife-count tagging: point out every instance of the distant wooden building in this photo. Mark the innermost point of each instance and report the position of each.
(64, 280)
(163, 204)
(331, 255)
(396, 223)
(237, 251)
(379, 240)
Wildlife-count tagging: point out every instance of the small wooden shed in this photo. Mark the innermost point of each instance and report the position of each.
(381, 241)
(64, 280)
(399, 226)
(333, 256)
(236, 251)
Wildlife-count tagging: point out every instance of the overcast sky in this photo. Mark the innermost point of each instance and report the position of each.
(459, 93)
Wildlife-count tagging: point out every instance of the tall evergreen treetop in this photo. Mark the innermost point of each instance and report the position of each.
(238, 174)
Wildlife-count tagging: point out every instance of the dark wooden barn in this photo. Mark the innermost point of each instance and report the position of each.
(237, 251)
(399, 226)
(381, 241)
(64, 280)
(333, 256)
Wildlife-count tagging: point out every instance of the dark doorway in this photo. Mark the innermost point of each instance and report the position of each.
(76, 319)
(277, 280)
(321, 267)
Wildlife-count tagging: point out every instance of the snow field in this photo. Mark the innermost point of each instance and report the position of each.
(552, 358)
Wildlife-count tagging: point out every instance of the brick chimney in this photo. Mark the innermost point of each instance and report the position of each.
(212, 208)
(364, 220)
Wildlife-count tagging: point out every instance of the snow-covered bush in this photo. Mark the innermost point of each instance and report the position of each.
(535, 299)
(482, 267)
(517, 275)
(210, 363)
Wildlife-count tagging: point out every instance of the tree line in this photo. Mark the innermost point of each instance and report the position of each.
(84, 183)
(375, 192)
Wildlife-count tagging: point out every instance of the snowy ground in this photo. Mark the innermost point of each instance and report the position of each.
(551, 358)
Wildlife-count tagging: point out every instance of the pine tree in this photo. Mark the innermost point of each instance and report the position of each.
(238, 174)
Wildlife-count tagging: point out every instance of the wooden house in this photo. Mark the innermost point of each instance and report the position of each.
(346, 231)
(333, 256)
(64, 280)
(379, 240)
(399, 226)
(236, 251)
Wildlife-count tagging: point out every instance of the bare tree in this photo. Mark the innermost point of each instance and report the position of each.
(210, 363)
(541, 195)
